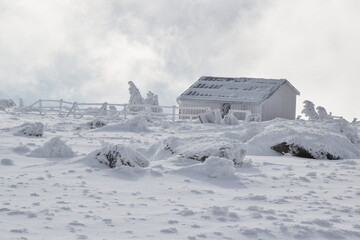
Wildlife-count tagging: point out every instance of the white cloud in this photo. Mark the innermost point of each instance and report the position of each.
(87, 50)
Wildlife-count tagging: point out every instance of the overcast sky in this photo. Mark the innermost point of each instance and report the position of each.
(88, 50)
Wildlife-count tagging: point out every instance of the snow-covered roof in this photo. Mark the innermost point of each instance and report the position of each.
(254, 90)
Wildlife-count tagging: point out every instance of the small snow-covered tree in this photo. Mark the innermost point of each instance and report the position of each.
(322, 113)
(135, 98)
(152, 99)
(309, 110)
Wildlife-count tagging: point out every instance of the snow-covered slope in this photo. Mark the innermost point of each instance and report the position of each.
(75, 197)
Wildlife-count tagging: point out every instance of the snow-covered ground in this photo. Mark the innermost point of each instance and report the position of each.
(52, 187)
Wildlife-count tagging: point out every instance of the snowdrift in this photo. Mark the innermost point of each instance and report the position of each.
(135, 124)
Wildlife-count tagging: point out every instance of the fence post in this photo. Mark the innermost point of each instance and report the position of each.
(21, 105)
(125, 109)
(60, 107)
(40, 106)
(173, 112)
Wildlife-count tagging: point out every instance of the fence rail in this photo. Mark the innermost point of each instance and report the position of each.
(66, 108)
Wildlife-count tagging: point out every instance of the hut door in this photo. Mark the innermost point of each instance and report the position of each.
(225, 108)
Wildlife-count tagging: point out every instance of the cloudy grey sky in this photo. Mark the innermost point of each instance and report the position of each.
(87, 50)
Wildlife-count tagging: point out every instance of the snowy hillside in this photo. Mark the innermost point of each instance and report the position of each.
(57, 183)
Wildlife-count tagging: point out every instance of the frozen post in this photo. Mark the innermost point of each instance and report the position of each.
(173, 113)
(60, 106)
(40, 106)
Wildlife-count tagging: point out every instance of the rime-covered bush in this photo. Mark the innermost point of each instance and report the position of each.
(153, 100)
(119, 155)
(309, 110)
(230, 119)
(54, 148)
(135, 98)
(31, 129)
(322, 113)
(137, 124)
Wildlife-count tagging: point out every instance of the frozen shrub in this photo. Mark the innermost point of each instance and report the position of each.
(213, 116)
(97, 123)
(120, 155)
(153, 100)
(217, 167)
(309, 110)
(54, 148)
(230, 119)
(322, 113)
(31, 129)
(135, 98)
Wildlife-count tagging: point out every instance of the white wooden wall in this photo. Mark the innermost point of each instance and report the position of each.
(282, 104)
(254, 108)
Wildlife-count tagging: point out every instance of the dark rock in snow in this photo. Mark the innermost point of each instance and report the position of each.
(96, 124)
(300, 151)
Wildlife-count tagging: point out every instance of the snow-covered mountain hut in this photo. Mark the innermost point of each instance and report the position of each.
(264, 99)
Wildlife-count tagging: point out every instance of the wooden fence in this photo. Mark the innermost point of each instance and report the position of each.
(66, 108)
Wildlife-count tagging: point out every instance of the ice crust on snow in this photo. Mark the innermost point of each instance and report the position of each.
(54, 148)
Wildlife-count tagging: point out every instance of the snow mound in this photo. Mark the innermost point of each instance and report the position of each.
(135, 124)
(200, 149)
(119, 155)
(318, 138)
(217, 167)
(213, 167)
(21, 149)
(7, 162)
(31, 129)
(54, 148)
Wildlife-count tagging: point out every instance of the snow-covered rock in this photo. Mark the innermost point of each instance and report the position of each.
(119, 155)
(54, 148)
(6, 103)
(31, 129)
(201, 148)
(318, 138)
(96, 123)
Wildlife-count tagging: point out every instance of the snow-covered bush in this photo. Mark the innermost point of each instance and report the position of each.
(217, 167)
(31, 129)
(119, 155)
(322, 113)
(96, 123)
(230, 119)
(137, 124)
(54, 148)
(309, 110)
(153, 100)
